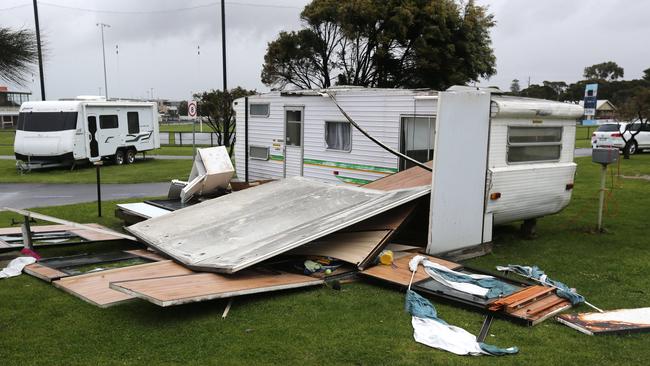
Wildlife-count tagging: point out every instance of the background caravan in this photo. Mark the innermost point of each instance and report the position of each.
(51, 133)
(518, 149)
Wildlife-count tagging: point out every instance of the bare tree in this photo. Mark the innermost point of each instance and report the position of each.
(17, 53)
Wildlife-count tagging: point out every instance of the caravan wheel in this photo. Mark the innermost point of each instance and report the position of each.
(130, 156)
(118, 159)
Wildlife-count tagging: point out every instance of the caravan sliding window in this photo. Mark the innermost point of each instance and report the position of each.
(108, 121)
(338, 136)
(534, 144)
(259, 109)
(46, 121)
(258, 152)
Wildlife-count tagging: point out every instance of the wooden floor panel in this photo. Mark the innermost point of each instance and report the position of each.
(352, 248)
(409, 178)
(44, 273)
(207, 286)
(400, 274)
(94, 287)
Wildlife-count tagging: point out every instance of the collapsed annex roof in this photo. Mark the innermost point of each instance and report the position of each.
(236, 231)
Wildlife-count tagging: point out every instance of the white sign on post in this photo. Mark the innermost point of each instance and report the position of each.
(191, 108)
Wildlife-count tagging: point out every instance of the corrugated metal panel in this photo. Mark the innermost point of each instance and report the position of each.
(529, 191)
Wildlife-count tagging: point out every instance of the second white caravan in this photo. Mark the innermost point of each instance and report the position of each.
(53, 133)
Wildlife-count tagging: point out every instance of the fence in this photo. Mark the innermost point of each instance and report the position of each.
(185, 138)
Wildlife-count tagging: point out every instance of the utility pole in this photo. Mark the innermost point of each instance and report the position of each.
(223, 43)
(102, 26)
(40, 53)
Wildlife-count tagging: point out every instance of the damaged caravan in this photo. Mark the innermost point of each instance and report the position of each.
(496, 158)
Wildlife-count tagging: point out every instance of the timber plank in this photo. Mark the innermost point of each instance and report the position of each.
(178, 290)
(400, 274)
(146, 254)
(94, 287)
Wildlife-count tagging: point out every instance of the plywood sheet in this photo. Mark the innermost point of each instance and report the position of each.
(94, 235)
(409, 178)
(16, 230)
(94, 287)
(43, 272)
(236, 231)
(169, 291)
(353, 248)
(148, 254)
(390, 220)
(399, 273)
(609, 322)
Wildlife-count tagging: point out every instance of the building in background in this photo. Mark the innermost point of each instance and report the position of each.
(605, 111)
(10, 102)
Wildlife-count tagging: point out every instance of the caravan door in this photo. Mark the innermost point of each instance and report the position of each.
(93, 145)
(293, 141)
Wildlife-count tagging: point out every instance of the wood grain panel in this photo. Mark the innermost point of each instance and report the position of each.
(44, 273)
(409, 178)
(94, 287)
(169, 291)
(400, 274)
(348, 247)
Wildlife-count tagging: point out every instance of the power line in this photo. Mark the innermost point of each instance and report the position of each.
(16, 7)
(162, 11)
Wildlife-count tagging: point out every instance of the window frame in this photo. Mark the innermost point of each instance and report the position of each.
(326, 145)
(268, 152)
(117, 120)
(268, 110)
(510, 144)
(301, 123)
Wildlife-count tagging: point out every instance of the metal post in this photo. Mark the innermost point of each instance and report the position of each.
(40, 53)
(98, 164)
(603, 179)
(194, 138)
(246, 139)
(27, 234)
(223, 43)
(102, 25)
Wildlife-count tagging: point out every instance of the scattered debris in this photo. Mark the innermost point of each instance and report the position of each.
(621, 321)
(15, 267)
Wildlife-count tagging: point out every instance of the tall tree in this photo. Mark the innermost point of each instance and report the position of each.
(215, 108)
(514, 86)
(17, 53)
(646, 74)
(558, 87)
(636, 107)
(383, 43)
(604, 71)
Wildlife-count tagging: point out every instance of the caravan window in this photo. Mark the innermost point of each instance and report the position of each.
(259, 109)
(108, 121)
(47, 121)
(416, 139)
(338, 136)
(258, 152)
(293, 128)
(534, 144)
(133, 120)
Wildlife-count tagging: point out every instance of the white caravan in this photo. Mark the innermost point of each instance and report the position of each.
(508, 158)
(53, 133)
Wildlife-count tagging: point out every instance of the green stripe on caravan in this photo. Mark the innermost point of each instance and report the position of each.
(276, 157)
(335, 164)
(356, 181)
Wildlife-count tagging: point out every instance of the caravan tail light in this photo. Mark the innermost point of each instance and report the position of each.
(569, 186)
(616, 135)
(495, 195)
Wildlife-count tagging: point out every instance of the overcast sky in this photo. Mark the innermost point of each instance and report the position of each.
(158, 42)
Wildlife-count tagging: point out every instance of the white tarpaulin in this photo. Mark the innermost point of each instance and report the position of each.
(16, 266)
(232, 232)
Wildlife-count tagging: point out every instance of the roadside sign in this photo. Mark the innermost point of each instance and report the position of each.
(591, 99)
(191, 108)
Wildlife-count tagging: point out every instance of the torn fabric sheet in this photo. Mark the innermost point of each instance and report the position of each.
(475, 284)
(536, 273)
(434, 332)
(16, 266)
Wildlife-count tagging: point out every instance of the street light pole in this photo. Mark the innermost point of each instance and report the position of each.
(223, 43)
(102, 26)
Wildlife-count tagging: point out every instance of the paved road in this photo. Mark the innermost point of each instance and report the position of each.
(585, 151)
(26, 195)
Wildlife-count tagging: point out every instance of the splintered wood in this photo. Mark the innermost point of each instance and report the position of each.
(207, 286)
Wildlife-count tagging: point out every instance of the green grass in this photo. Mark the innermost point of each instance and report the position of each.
(182, 127)
(583, 135)
(364, 324)
(174, 150)
(150, 170)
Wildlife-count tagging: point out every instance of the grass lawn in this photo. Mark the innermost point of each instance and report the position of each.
(363, 324)
(142, 171)
(174, 150)
(181, 127)
(583, 135)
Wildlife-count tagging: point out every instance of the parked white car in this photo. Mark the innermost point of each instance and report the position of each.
(611, 135)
